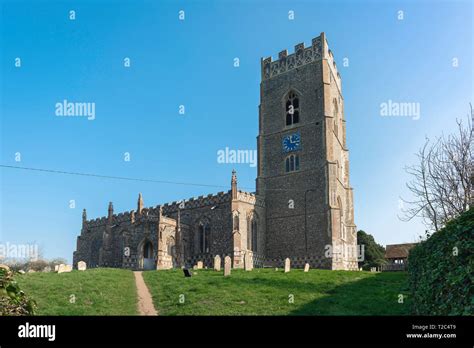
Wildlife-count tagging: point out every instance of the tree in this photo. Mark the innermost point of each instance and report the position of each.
(441, 180)
(373, 253)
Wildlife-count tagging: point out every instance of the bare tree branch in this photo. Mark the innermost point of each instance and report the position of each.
(441, 181)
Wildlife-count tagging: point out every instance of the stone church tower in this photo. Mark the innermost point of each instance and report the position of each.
(303, 168)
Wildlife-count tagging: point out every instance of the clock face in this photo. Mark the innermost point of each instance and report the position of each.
(291, 142)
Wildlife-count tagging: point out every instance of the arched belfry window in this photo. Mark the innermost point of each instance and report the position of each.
(292, 163)
(292, 109)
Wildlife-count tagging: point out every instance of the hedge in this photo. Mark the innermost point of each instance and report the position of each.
(440, 270)
(13, 300)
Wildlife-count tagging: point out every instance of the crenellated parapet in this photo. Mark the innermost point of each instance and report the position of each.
(302, 55)
(123, 217)
(287, 62)
(95, 222)
(170, 208)
(201, 201)
(246, 197)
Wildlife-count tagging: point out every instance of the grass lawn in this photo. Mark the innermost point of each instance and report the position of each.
(96, 291)
(268, 292)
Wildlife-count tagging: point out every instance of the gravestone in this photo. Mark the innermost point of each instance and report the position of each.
(21, 271)
(373, 269)
(81, 266)
(306, 267)
(248, 262)
(287, 265)
(47, 269)
(217, 263)
(64, 268)
(56, 268)
(195, 267)
(187, 273)
(199, 265)
(227, 266)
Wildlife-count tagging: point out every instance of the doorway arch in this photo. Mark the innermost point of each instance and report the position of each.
(147, 261)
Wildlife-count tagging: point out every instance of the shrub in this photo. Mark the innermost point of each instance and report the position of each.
(440, 270)
(38, 265)
(13, 301)
(373, 252)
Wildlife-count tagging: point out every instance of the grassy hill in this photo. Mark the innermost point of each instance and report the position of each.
(269, 292)
(95, 292)
(106, 291)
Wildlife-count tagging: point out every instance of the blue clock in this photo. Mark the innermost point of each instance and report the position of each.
(291, 142)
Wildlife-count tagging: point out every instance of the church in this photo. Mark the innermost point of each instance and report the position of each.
(303, 205)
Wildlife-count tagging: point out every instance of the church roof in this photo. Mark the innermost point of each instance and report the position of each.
(398, 251)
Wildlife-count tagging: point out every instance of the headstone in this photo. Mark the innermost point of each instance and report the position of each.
(360, 269)
(195, 267)
(227, 266)
(81, 266)
(373, 269)
(248, 263)
(199, 265)
(64, 268)
(47, 269)
(287, 265)
(306, 267)
(187, 273)
(31, 271)
(217, 263)
(56, 268)
(21, 271)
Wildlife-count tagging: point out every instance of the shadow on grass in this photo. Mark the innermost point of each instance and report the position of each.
(374, 294)
(377, 295)
(266, 292)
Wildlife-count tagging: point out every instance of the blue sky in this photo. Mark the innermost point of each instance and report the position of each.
(190, 63)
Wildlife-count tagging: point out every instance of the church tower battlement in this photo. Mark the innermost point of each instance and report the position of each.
(319, 50)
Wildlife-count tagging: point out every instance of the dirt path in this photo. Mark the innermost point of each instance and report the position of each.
(145, 303)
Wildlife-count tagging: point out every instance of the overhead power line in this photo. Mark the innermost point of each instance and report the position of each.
(112, 177)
